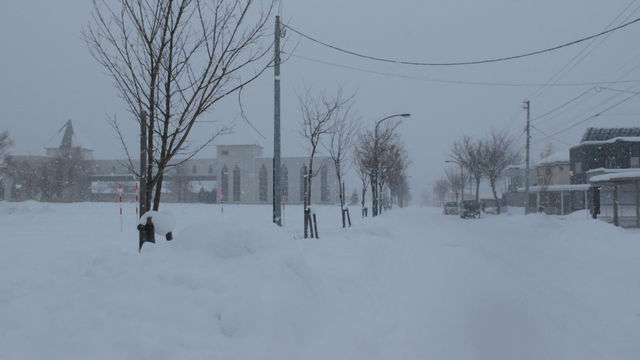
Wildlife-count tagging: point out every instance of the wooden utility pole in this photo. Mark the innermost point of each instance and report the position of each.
(277, 211)
(526, 175)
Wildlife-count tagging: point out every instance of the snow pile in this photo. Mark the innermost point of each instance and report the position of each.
(411, 284)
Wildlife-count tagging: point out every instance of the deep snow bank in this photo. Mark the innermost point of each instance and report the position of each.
(411, 284)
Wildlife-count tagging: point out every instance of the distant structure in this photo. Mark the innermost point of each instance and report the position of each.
(240, 172)
(71, 143)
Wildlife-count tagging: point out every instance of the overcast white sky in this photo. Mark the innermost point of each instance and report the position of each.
(47, 75)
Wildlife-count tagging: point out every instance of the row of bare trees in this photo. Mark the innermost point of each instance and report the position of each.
(387, 157)
(329, 122)
(485, 158)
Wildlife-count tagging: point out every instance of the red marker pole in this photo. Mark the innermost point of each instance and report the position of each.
(120, 200)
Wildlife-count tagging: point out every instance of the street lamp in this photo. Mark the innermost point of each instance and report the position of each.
(375, 195)
(461, 177)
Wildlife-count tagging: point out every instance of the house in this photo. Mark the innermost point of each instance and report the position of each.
(609, 148)
(553, 169)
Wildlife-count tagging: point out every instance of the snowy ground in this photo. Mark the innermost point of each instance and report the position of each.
(412, 284)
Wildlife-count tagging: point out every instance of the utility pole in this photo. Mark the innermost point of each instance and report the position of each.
(526, 175)
(277, 211)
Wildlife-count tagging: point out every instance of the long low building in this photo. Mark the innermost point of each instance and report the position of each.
(239, 174)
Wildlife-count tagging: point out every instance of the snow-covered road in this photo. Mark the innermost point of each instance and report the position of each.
(411, 284)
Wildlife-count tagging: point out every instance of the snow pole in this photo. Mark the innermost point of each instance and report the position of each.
(120, 201)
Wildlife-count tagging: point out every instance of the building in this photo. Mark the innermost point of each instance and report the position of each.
(553, 169)
(618, 192)
(608, 148)
(239, 172)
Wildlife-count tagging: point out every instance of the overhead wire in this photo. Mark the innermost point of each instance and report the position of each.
(461, 63)
(455, 82)
(564, 104)
(598, 114)
(579, 57)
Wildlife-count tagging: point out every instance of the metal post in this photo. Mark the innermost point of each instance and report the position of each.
(462, 183)
(526, 175)
(374, 185)
(561, 202)
(615, 205)
(277, 211)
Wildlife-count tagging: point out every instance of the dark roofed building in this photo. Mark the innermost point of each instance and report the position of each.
(607, 148)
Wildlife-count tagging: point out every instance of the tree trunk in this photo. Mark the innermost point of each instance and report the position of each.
(478, 189)
(495, 196)
(340, 189)
(158, 189)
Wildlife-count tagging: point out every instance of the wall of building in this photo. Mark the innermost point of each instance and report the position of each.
(610, 155)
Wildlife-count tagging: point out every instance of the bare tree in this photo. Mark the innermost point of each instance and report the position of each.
(362, 164)
(544, 175)
(454, 178)
(173, 60)
(497, 155)
(5, 144)
(467, 154)
(395, 165)
(440, 190)
(318, 113)
(340, 145)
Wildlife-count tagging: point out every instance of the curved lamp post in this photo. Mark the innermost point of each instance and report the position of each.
(375, 197)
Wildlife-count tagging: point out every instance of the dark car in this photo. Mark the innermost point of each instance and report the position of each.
(489, 206)
(451, 208)
(470, 209)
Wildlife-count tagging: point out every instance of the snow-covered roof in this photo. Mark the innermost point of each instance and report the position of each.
(610, 171)
(68, 134)
(567, 187)
(616, 176)
(556, 157)
(611, 141)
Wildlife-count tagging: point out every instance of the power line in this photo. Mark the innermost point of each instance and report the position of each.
(563, 105)
(579, 57)
(549, 136)
(460, 63)
(455, 82)
(588, 118)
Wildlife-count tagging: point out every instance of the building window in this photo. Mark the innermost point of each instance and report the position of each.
(324, 184)
(236, 184)
(635, 162)
(113, 169)
(262, 184)
(577, 167)
(210, 169)
(224, 182)
(224, 152)
(284, 182)
(303, 176)
(194, 170)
